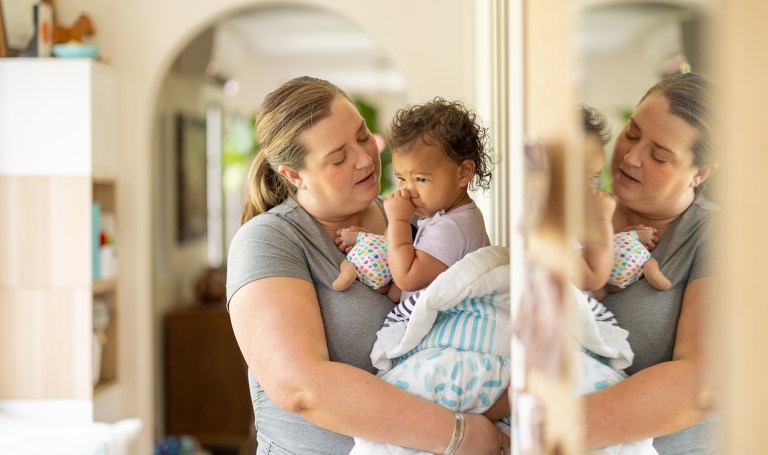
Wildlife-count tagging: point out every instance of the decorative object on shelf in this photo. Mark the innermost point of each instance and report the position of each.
(191, 183)
(101, 317)
(75, 50)
(26, 28)
(211, 287)
(83, 26)
(42, 39)
(16, 27)
(3, 42)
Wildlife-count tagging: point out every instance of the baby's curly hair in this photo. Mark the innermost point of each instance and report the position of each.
(593, 122)
(451, 126)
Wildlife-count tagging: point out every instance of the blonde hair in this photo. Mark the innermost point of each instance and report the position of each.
(285, 113)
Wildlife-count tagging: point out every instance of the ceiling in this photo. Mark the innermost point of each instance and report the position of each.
(301, 40)
(298, 40)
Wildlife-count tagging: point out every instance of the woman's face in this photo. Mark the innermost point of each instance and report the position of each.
(652, 163)
(342, 167)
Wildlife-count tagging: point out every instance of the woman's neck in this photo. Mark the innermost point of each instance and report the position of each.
(625, 216)
(370, 218)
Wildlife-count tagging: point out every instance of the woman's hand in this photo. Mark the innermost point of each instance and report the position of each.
(648, 235)
(482, 437)
(399, 207)
(347, 237)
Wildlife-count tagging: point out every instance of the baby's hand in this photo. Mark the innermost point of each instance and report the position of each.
(347, 237)
(399, 207)
(601, 205)
(646, 234)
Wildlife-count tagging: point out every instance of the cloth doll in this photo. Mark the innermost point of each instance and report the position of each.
(366, 261)
(631, 260)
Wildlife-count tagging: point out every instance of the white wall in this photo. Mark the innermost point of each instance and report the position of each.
(430, 40)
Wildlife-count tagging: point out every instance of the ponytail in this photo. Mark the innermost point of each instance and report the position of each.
(267, 188)
(285, 113)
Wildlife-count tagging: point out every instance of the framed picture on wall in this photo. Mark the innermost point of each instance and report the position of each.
(191, 184)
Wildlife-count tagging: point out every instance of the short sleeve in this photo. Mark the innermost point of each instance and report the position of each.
(703, 264)
(266, 246)
(442, 239)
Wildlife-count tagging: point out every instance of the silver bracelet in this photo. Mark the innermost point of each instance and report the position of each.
(458, 434)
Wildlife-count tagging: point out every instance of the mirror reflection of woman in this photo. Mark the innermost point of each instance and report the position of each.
(661, 161)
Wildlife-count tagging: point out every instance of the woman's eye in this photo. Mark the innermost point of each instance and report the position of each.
(630, 137)
(364, 139)
(341, 161)
(658, 160)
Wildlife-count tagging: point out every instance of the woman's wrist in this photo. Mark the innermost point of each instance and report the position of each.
(459, 428)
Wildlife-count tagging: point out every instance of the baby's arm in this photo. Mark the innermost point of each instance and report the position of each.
(596, 258)
(411, 269)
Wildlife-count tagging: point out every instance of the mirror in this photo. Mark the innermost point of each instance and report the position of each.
(625, 48)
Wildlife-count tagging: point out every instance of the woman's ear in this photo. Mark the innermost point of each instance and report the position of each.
(290, 174)
(466, 172)
(704, 172)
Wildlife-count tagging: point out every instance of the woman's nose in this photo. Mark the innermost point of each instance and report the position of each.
(632, 157)
(363, 159)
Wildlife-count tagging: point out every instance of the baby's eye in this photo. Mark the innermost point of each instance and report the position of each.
(421, 179)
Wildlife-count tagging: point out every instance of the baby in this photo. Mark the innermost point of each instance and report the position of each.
(438, 153)
(608, 261)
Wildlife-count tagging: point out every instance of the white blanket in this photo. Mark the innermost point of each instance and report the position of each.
(608, 342)
(455, 349)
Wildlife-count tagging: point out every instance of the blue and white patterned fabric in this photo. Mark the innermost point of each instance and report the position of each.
(602, 352)
(455, 349)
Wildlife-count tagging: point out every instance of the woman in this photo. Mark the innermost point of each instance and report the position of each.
(661, 159)
(306, 345)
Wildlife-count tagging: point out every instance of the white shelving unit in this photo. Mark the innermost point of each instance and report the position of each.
(57, 158)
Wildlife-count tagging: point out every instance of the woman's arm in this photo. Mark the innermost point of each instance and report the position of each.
(666, 397)
(279, 328)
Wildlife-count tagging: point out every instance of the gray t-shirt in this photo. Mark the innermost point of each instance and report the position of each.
(287, 242)
(651, 316)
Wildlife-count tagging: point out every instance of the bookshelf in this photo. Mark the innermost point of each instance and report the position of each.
(57, 165)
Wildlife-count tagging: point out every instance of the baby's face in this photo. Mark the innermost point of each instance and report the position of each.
(594, 158)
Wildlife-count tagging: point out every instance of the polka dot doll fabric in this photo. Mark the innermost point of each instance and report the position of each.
(629, 256)
(369, 256)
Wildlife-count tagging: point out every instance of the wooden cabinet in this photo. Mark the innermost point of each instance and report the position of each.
(206, 387)
(57, 158)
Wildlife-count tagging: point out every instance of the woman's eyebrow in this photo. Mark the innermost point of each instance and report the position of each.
(656, 144)
(339, 148)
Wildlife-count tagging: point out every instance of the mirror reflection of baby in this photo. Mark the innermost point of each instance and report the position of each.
(438, 153)
(609, 262)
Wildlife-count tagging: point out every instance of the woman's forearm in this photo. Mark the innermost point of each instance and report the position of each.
(659, 400)
(333, 399)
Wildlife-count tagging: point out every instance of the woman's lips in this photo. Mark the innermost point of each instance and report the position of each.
(366, 180)
(628, 178)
